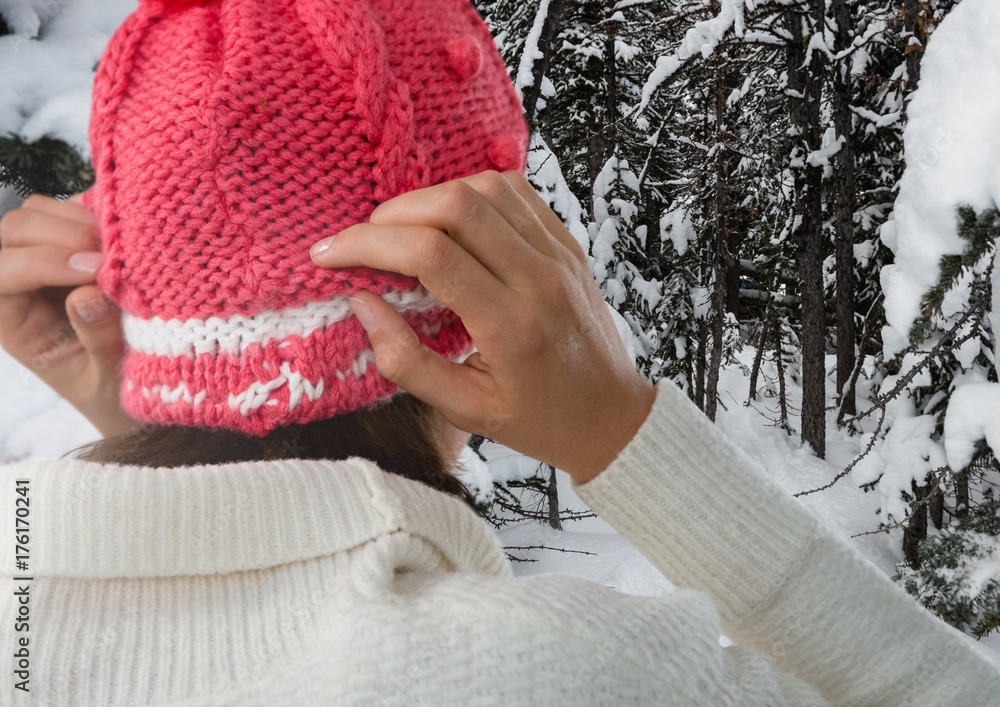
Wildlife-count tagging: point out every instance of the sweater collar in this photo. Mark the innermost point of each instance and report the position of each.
(102, 521)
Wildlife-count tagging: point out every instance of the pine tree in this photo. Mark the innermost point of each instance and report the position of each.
(843, 199)
(953, 572)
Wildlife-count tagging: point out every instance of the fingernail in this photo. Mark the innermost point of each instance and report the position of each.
(85, 262)
(320, 247)
(364, 314)
(94, 311)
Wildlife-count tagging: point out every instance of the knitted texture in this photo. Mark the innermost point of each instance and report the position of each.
(230, 135)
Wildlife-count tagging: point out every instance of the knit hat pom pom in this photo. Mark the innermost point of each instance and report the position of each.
(464, 57)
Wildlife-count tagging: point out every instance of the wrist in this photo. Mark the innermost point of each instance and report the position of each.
(618, 427)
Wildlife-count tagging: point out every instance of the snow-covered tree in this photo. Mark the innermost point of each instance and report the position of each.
(934, 452)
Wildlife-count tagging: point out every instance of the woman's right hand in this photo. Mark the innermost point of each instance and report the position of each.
(551, 377)
(53, 319)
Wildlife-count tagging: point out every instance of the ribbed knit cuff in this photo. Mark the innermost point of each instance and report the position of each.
(700, 509)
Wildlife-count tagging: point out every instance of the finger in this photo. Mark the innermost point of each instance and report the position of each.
(30, 227)
(97, 322)
(549, 218)
(23, 271)
(451, 274)
(500, 193)
(69, 209)
(401, 358)
(460, 211)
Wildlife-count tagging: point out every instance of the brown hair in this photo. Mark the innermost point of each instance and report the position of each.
(400, 436)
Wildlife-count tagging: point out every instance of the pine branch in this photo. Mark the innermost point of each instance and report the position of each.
(46, 166)
(937, 476)
(881, 402)
(546, 547)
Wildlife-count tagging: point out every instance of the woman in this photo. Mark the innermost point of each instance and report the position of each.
(221, 549)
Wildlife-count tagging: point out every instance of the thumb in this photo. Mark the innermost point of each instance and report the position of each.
(400, 357)
(97, 322)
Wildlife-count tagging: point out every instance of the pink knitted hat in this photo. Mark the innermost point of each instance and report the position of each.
(228, 136)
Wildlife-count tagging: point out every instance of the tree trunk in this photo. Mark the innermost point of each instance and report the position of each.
(804, 92)
(611, 84)
(758, 357)
(843, 170)
(699, 365)
(936, 508)
(962, 497)
(553, 498)
(779, 360)
(914, 15)
(718, 318)
(550, 28)
(916, 530)
(915, 20)
(724, 262)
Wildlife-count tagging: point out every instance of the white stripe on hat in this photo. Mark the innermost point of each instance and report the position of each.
(258, 393)
(234, 334)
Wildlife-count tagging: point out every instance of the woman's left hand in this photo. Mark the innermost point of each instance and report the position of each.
(53, 318)
(551, 378)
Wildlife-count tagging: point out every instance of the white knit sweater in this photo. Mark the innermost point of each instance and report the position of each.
(305, 583)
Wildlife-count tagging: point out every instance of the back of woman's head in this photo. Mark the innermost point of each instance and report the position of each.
(230, 135)
(401, 436)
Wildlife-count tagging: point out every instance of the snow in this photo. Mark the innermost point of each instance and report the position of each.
(702, 38)
(845, 508)
(676, 227)
(25, 17)
(907, 453)
(831, 146)
(475, 474)
(29, 413)
(45, 82)
(985, 570)
(879, 121)
(589, 549)
(531, 52)
(973, 415)
(611, 217)
(952, 149)
(624, 51)
(546, 176)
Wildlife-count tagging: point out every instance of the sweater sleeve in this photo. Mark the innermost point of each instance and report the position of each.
(709, 518)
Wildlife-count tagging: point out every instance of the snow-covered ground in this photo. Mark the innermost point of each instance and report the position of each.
(35, 423)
